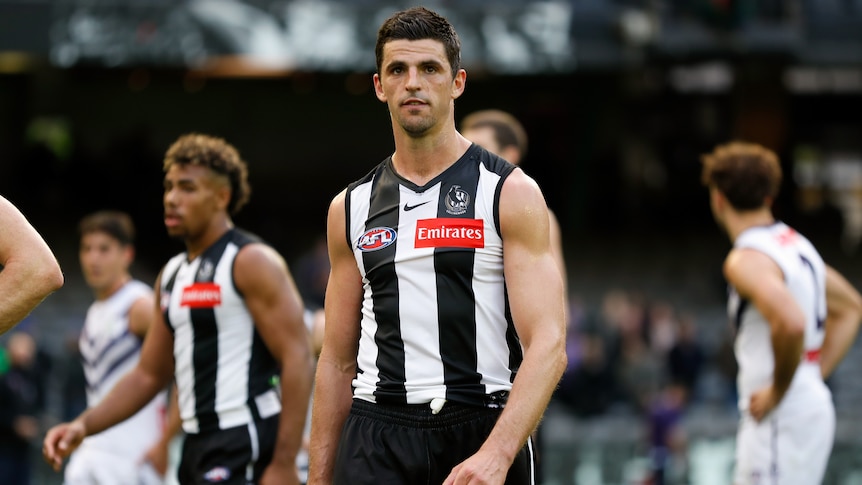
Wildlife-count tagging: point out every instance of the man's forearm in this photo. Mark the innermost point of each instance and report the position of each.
(295, 395)
(537, 378)
(332, 400)
(129, 396)
(840, 335)
(787, 350)
(24, 288)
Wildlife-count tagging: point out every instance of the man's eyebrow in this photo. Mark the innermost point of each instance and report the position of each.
(424, 62)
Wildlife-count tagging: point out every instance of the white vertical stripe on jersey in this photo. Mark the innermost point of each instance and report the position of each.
(365, 381)
(417, 290)
(235, 335)
(491, 347)
(184, 346)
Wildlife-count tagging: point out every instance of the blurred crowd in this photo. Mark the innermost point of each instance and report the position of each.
(626, 352)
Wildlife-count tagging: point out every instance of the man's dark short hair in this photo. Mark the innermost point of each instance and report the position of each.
(217, 155)
(746, 173)
(419, 23)
(116, 224)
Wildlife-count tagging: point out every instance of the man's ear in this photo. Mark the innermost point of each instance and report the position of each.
(378, 88)
(459, 84)
(717, 200)
(223, 194)
(128, 254)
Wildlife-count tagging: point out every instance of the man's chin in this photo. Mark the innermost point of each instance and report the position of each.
(417, 128)
(175, 232)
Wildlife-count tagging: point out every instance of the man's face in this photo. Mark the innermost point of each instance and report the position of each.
(104, 261)
(416, 83)
(193, 196)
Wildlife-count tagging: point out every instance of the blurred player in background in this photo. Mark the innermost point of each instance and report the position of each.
(795, 319)
(110, 346)
(229, 330)
(503, 135)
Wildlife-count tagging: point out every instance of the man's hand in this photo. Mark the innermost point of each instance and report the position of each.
(157, 456)
(26, 427)
(763, 402)
(61, 441)
(483, 468)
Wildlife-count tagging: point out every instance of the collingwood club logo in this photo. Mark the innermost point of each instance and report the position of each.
(205, 272)
(457, 200)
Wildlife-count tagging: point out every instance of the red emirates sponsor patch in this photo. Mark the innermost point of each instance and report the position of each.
(450, 233)
(201, 295)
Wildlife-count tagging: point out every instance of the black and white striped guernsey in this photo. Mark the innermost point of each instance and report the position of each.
(435, 319)
(225, 374)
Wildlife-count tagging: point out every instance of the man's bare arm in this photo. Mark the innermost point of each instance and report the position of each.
(30, 271)
(758, 279)
(535, 291)
(272, 298)
(844, 313)
(336, 366)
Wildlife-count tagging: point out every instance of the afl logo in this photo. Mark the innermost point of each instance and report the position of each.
(457, 200)
(377, 238)
(217, 475)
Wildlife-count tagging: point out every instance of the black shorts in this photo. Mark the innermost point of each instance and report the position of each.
(408, 445)
(235, 456)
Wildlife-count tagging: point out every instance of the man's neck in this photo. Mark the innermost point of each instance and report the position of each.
(196, 246)
(739, 222)
(421, 159)
(105, 293)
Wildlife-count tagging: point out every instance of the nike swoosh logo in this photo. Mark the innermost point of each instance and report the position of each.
(408, 207)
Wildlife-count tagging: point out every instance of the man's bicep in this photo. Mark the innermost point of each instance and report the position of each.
(271, 297)
(759, 279)
(533, 278)
(524, 219)
(157, 355)
(141, 315)
(840, 294)
(17, 231)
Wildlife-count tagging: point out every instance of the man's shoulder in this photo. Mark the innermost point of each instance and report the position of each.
(242, 237)
(491, 162)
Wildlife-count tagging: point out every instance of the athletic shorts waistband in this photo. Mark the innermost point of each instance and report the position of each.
(421, 415)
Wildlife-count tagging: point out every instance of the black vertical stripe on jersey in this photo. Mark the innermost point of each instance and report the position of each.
(516, 353)
(818, 311)
(503, 169)
(205, 342)
(380, 271)
(740, 311)
(169, 288)
(456, 300)
(347, 214)
(347, 233)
